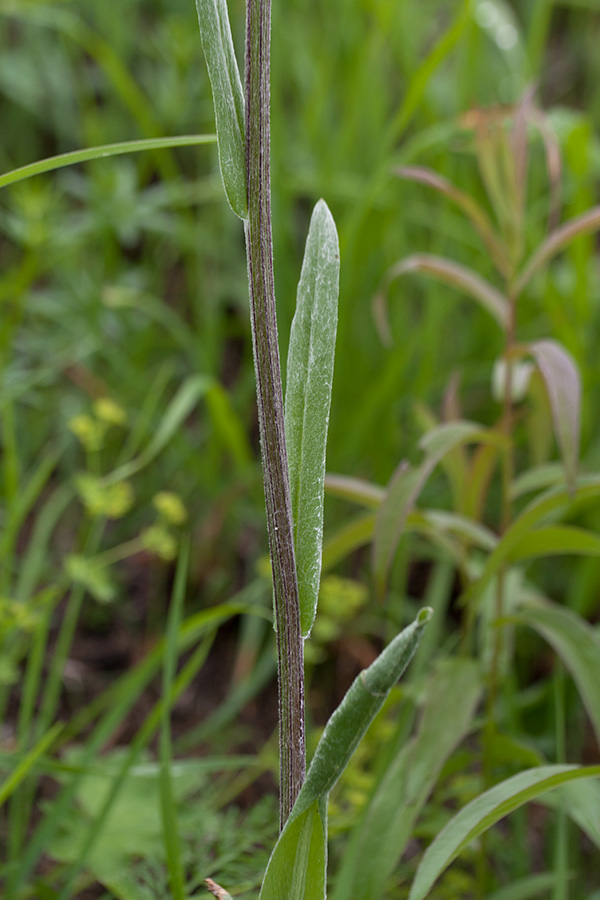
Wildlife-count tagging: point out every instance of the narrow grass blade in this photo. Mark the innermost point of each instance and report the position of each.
(378, 842)
(354, 489)
(555, 540)
(192, 389)
(557, 241)
(101, 152)
(451, 273)
(554, 502)
(228, 97)
(474, 212)
(308, 400)
(167, 796)
(576, 642)
(408, 482)
(563, 384)
(296, 869)
(28, 762)
(483, 812)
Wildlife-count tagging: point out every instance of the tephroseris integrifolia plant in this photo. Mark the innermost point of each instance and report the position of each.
(294, 491)
(295, 528)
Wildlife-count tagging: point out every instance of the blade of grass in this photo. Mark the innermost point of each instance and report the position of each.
(101, 152)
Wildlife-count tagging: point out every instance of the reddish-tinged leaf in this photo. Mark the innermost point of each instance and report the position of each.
(557, 241)
(562, 381)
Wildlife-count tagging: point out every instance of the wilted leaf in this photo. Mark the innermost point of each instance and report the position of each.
(308, 400)
(562, 381)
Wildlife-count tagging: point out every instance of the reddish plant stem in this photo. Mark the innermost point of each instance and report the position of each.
(259, 248)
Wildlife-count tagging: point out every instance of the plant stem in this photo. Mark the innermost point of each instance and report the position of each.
(259, 249)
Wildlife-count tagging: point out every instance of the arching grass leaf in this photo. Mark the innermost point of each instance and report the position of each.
(556, 540)
(483, 812)
(308, 400)
(577, 644)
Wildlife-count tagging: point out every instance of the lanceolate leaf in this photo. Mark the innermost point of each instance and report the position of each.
(483, 812)
(564, 391)
(228, 98)
(556, 540)
(308, 400)
(355, 713)
(296, 869)
(577, 644)
(382, 835)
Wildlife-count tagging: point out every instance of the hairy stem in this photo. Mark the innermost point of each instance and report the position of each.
(259, 248)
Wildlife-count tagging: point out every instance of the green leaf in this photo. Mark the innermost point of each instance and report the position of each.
(554, 502)
(555, 540)
(452, 273)
(408, 482)
(22, 769)
(296, 869)
(483, 812)
(101, 152)
(192, 389)
(228, 97)
(587, 223)
(563, 384)
(355, 713)
(378, 842)
(577, 644)
(308, 400)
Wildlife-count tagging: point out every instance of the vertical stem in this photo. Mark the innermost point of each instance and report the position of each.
(259, 248)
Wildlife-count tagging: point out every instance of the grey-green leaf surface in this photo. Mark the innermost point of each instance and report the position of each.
(355, 713)
(483, 812)
(563, 384)
(577, 644)
(228, 98)
(296, 869)
(378, 842)
(308, 400)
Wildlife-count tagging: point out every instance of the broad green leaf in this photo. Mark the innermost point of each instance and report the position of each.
(586, 223)
(408, 482)
(563, 384)
(355, 713)
(577, 644)
(483, 812)
(308, 400)
(101, 152)
(228, 98)
(296, 869)
(386, 827)
(555, 540)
